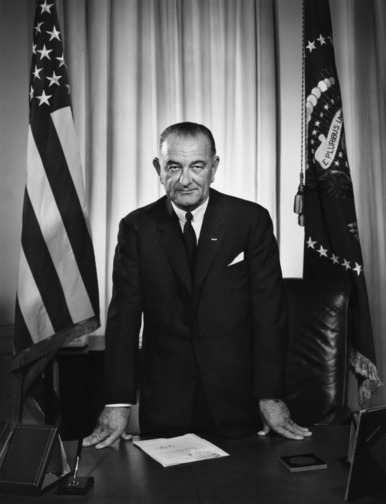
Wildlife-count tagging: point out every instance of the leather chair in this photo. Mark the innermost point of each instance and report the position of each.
(317, 367)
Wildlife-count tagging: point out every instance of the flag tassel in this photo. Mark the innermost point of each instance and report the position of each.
(299, 201)
(369, 382)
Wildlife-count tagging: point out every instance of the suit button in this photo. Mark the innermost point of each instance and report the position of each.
(191, 378)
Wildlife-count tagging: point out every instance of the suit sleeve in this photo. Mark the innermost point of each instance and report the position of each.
(269, 312)
(123, 321)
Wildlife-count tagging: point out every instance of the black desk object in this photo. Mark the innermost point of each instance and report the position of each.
(33, 462)
(251, 475)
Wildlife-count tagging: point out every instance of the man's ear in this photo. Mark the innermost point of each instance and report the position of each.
(215, 163)
(157, 166)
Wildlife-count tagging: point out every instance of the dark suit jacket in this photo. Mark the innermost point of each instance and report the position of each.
(228, 325)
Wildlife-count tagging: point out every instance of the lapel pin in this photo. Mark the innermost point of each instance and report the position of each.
(214, 239)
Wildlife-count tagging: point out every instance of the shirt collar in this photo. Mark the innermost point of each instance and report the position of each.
(198, 213)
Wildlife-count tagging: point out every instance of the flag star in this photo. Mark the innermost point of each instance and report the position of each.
(54, 33)
(54, 79)
(340, 154)
(34, 48)
(336, 163)
(43, 98)
(310, 243)
(358, 268)
(45, 53)
(311, 46)
(334, 258)
(36, 72)
(322, 252)
(326, 107)
(321, 39)
(45, 7)
(346, 264)
(31, 93)
(38, 27)
(353, 228)
(317, 123)
(61, 60)
(68, 88)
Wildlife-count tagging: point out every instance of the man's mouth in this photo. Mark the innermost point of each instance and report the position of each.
(186, 191)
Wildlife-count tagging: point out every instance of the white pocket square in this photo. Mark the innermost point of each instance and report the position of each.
(237, 259)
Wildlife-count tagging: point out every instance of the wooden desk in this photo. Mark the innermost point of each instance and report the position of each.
(251, 475)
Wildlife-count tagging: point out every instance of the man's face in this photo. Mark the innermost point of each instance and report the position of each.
(186, 169)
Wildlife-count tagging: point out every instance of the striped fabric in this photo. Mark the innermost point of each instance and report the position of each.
(57, 298)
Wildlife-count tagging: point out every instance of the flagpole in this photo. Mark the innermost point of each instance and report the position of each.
(19, 399)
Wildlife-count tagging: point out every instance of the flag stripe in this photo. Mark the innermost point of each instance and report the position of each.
(65, 130)
(42, 269)
(31, 304)
(67, 202)
(56, 238)
(23, 339)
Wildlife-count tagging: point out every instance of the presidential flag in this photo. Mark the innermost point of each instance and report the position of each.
(57, 294)
(332, 247)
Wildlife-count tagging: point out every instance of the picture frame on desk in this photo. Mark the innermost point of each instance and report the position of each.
(367, 454)
(34, 460)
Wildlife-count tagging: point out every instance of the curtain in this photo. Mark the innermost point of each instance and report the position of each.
(360, 41)
(136, 66)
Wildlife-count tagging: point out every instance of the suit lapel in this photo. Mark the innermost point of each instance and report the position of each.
(211, 235)
(172, 243)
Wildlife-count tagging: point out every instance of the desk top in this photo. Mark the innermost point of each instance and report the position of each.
(251, 474)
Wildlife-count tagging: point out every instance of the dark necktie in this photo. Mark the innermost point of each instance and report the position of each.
(190, 239)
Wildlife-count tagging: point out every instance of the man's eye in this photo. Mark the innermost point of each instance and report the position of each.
(198, 167)
(173, 169)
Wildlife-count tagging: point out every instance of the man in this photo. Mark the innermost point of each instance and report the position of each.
(203, 270)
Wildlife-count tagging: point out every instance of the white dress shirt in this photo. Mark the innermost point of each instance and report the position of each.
(198, 217)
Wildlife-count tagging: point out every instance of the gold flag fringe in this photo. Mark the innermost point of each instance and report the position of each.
(371, 382)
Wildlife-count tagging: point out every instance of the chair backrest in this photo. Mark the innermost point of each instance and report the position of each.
(317, 366)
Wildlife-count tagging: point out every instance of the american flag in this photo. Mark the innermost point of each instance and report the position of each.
(57, 295)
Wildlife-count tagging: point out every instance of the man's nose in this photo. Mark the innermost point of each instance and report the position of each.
(186, 177)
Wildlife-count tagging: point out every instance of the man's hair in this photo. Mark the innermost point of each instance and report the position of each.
(186, 129)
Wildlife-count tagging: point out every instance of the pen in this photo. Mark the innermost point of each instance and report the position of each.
(77, 460)
(76, 486)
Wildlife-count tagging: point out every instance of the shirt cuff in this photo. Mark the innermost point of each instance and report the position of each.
(118, 405)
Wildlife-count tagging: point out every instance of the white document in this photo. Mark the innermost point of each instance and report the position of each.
(180, 450)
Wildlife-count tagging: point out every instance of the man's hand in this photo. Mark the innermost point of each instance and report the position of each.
(276, 416)
(111, 425)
